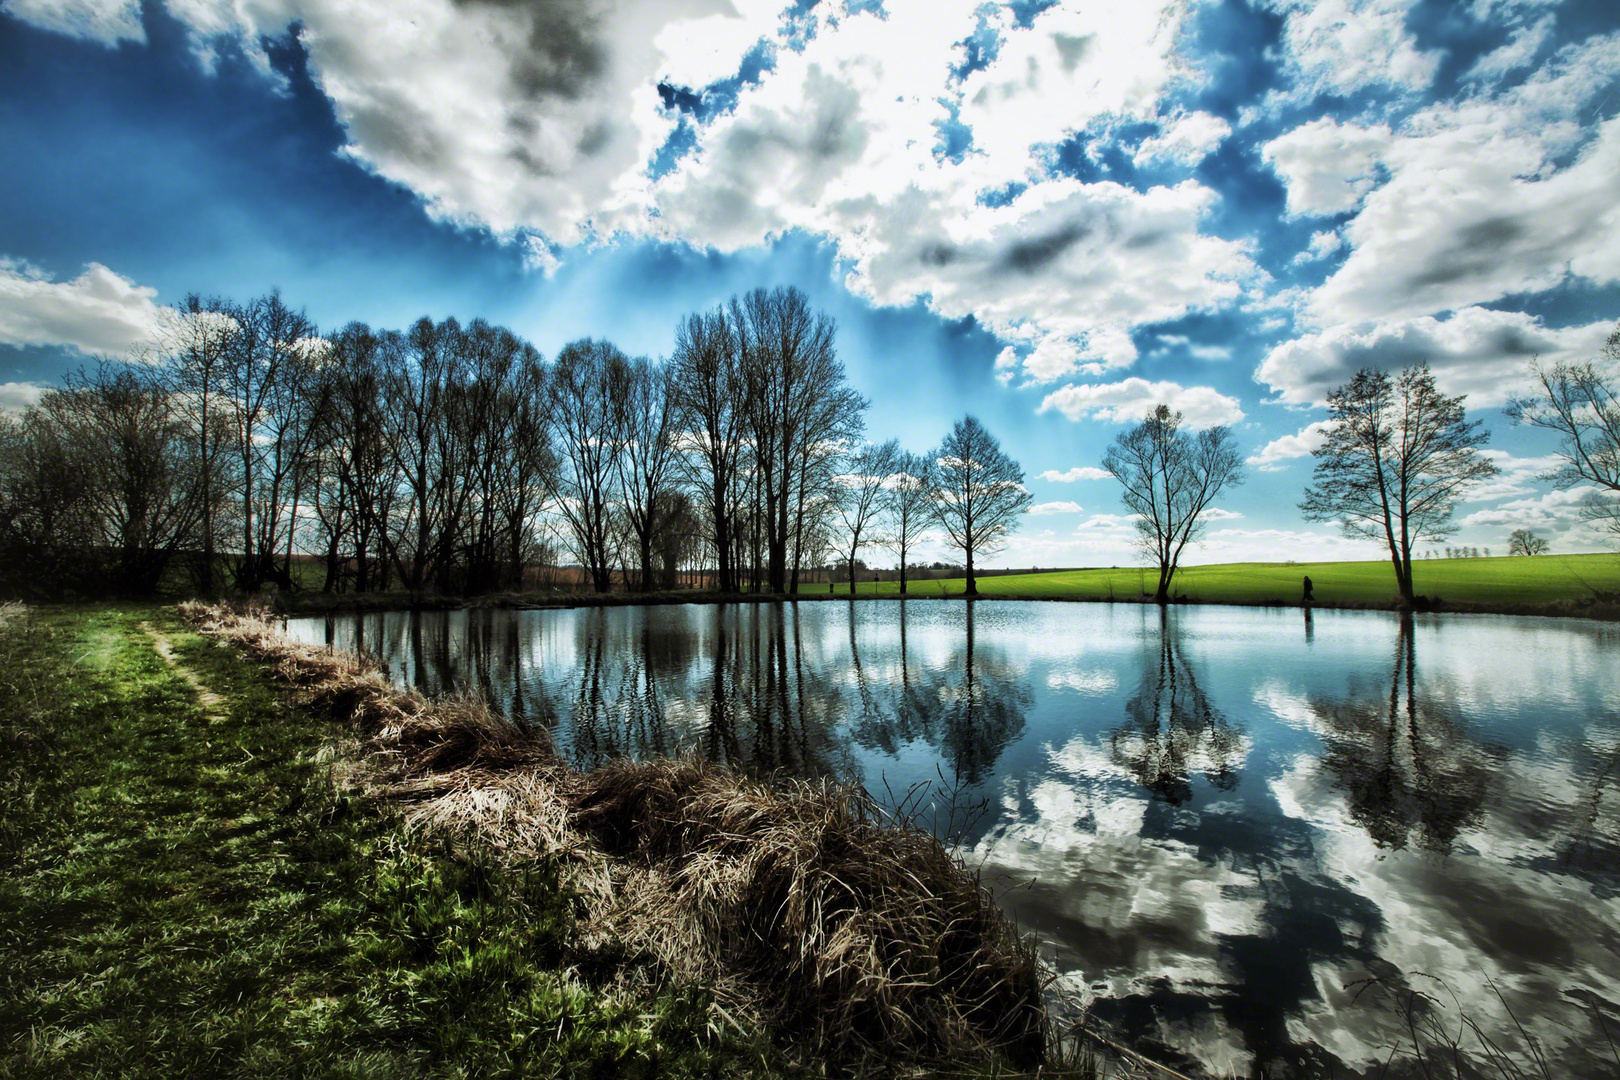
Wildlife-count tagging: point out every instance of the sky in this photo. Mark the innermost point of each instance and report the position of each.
(1053, 216)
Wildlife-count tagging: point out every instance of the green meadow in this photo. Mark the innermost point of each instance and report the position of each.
(1542, 582)
(186, 891)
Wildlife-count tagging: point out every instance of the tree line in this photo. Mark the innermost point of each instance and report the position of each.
(453, 458)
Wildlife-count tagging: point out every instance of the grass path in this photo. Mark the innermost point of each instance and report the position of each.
(184, 891)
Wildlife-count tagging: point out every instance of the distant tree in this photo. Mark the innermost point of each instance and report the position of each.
(980, 496)
(1398, 455)
(860, 495)
(1169, 478)
(1580, 402)
(908, 500)
(117, 476)
(1525, 542)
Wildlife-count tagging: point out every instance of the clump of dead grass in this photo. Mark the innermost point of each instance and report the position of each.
(806, 908)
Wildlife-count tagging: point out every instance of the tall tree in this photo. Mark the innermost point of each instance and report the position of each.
(1169, 478)
(981, 494)
(796, 404)
(270, 367)
(1398, 455)
(706, 392)
(908, 500)
(860, 499)
(199, 341)
(645, 422)
(1580, 402)
(581, 395)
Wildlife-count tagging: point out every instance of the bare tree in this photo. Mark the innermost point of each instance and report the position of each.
(706, 392)
(1169, 479)
(1581, 403)
(645, 422)
(981, 494)
(268, 374)
(796, 404)
(1397, 457)
(199, 342)
(581, 395)
(861, 494)
(415, 387)
(908, 500)
(138, 470)
(1525, 542)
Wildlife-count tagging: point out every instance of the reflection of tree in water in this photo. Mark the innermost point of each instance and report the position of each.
(905, 710)
(1174, 727)
(768, 710)
(640, 691)
(969, 710)
(1404, 760)
(618, 704)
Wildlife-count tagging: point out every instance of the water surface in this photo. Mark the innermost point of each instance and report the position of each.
(1244, 836)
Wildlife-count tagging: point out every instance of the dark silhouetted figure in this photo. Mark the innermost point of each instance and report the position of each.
(1307, 598)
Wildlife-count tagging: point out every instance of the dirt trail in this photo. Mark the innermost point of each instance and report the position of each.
(213, 705)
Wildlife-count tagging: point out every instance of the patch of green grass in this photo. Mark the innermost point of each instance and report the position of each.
(1500, 583)
(181, 896)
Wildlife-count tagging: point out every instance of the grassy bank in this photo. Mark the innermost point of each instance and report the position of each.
(200, 877)
(1550, 584)
(187, 891)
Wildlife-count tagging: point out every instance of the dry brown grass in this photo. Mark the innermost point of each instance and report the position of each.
(850, 935)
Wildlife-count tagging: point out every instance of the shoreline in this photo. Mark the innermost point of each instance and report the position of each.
(297, 605)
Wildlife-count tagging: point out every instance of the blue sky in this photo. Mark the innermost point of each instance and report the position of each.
(1053, 215)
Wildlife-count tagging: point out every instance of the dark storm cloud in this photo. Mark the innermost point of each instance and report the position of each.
(565, 55)
(1035, 254)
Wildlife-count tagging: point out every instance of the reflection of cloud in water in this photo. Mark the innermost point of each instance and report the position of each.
(1126, 915)
(1095, 682)
(1469, 918)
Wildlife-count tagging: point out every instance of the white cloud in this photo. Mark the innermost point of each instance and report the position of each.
(1478, 352)
(1215, 513)
(516, 116)
(1079, 472)
(1341, 46)
(1055, 508)
(1272, 456)
(1328, 167)
(1519, 52)
(1516, 478)
(1132, 399)
(97, 312)
(1187, 141)
(1070, 66)
(1322, 245)
(1485, 197)
(17, 396)
(1555, 512)
(104, 21)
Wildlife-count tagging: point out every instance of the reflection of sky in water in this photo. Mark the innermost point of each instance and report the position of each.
(1218, 820)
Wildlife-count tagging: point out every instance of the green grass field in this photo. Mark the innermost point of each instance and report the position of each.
(1543, 581)
(185, 892)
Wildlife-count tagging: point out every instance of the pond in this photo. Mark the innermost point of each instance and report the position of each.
(1252, 841)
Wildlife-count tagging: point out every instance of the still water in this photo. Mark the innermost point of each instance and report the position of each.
(1245, 837)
